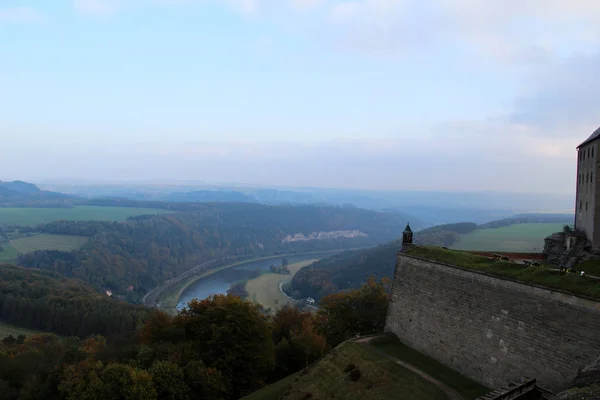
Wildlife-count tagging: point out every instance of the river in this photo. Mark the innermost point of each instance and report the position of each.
(221, 281)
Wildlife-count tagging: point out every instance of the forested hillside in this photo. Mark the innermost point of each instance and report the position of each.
(133, 257)
(221, 348)
(352, 268)
(24, 194)
(47, 301)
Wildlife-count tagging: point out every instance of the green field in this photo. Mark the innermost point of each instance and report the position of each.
(7, 329)
(264, 290)
(9, 254)
(36, 216)
(515, 238)
(47, 241)
(380, 378)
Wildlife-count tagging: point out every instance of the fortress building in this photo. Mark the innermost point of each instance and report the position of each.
(587, 207)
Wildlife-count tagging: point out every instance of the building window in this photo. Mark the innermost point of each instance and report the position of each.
(591, 177)
(588, 152)
(580, 205)
(586, 206)
(587, 178)
(592, 152)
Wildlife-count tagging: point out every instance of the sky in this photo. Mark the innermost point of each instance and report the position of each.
(462, 95)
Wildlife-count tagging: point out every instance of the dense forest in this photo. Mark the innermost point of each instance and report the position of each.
(47, 301)
(351, 269)
(218, 348)
(133, 257)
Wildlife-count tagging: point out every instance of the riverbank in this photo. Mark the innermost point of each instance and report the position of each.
(167, 301)
(266, 289)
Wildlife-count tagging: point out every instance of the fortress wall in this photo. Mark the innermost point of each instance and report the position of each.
(492, 330)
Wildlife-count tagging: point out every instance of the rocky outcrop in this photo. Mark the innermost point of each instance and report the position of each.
(567, 248)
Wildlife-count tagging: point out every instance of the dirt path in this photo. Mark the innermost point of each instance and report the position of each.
(451, 393)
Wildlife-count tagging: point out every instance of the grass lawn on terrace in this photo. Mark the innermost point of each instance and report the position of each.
(516, 238)
(542, 276)
(34, 216)
(381, 378)
(264, 290)
(47, 241)
(465, 386)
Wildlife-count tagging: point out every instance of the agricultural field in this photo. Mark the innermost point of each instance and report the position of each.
(7, 330)
(265, 289)
(513, 238)
(46, 241)
(36, 216)
(8, 254)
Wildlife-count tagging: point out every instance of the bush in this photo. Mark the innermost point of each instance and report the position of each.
(355, 374)
(349, 367)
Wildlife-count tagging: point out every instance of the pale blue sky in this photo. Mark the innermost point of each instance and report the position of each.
(299, 92)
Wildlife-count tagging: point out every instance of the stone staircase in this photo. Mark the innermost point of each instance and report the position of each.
(524, 388)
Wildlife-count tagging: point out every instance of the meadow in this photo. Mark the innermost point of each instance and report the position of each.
(36, 216)
(8, 254)
(512, 238)
(7, 330)
(46, 241)
(265, 290)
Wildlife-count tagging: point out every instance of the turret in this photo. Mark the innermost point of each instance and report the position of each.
(407, 237)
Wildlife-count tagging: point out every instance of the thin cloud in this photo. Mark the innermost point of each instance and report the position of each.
(97, 7)
(21, 15)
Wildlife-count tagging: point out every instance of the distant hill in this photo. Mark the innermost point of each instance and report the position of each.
(24, 194)
(47, 301)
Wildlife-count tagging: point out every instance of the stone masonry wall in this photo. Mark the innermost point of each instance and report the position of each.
(492, 330)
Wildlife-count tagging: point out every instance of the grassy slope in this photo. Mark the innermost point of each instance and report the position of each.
(35, 216)
(380, 378)
(7, 329)
(265, 289)
(49, 242)
(517, 238)
(274, 390)
(465, 386)
(542, 276)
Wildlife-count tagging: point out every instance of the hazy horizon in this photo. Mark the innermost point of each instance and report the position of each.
(366, 94)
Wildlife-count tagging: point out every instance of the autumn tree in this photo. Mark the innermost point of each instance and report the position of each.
(344, 315)
(204, 382)
(169, 381)
(233, 336)
(126, 383)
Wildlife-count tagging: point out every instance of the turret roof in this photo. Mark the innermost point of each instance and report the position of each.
(407, 229)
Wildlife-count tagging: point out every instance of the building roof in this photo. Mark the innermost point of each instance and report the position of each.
(407, 229)
(593, 136)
